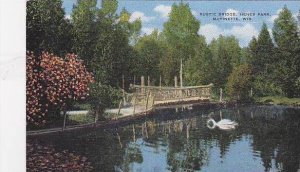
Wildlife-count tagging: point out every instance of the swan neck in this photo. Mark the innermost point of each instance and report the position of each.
(213, 121)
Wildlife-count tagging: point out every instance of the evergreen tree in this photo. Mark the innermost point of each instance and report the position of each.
(263, 64)
(286, 39)
(265, 51)
(252, 50)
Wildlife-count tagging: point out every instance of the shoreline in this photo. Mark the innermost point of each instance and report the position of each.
(121, 120)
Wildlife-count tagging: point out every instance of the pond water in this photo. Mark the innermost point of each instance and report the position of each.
(267, 138)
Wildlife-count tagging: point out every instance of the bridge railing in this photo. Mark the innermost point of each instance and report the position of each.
(158, 94)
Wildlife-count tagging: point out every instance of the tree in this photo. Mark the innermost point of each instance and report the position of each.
(53, 83)
(46, 27)
(239, 83)
(198, 69)
(226, 54)
(84, 30)
(286, 39)
(180, 36)
(264, 51)
(252, 51)
(262, 58)
(132, 28)
(109, 8)
(169, 66)
(150, 53)
(181, 30)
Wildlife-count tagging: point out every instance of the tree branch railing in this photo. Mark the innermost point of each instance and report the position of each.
(171, 93)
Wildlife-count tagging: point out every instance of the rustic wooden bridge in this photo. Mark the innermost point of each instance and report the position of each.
(155, 95)
(145, 98)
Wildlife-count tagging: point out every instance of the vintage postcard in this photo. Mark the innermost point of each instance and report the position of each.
(162, 85)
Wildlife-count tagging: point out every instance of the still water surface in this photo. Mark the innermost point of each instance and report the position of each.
(178, 139)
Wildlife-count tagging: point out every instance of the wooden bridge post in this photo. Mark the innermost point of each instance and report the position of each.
(143, 84)
(175, 80)
(148, 80)
(153, 100)
(134, 102)
(160, 81)
(120, 105)
(181, 72)
(148, 95)
(65, 117)
(210, 91)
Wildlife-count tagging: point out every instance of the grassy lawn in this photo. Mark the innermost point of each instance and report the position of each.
(80, 119)
(278, 100)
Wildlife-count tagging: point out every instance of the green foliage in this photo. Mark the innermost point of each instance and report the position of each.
(84, 29)
(132, 28)
(46, 27)
(263, 86)
(251, 51)
(226, 54)
(264, 51)
(261, 57)
(287, 53)
(150, 52)
(198, 69)
(103, 96)
(285, 29)
(181, 30)
(239, 83)
(169, 66)
(180, 35)
(109, 7)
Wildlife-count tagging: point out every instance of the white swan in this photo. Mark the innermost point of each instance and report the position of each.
(224, 124)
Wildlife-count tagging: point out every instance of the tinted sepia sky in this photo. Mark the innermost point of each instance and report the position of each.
(154, 13)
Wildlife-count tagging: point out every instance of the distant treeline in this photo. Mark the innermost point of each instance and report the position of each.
(111, 45)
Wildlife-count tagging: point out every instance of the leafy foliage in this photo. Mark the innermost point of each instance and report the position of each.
(226, 54)
(198, 69)
(46, 27)
(150, 51)
(53, 83)
(180, 37)
(103, 96)
(239, 83)
(287, 67)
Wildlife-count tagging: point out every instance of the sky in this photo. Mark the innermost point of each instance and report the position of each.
(155, 12)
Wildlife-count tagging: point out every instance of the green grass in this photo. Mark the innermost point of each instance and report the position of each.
(278, 100)
(81, 106)
(80, 118)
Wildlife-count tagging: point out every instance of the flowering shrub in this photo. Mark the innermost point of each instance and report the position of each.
(53, 83)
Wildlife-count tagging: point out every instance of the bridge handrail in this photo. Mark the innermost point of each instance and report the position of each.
(172, 88)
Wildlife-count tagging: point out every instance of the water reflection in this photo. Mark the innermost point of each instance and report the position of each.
(267, 139)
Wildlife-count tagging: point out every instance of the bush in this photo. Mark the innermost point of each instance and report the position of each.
(239, 83)
(103, 96)
(52, 84)
(264, 87)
